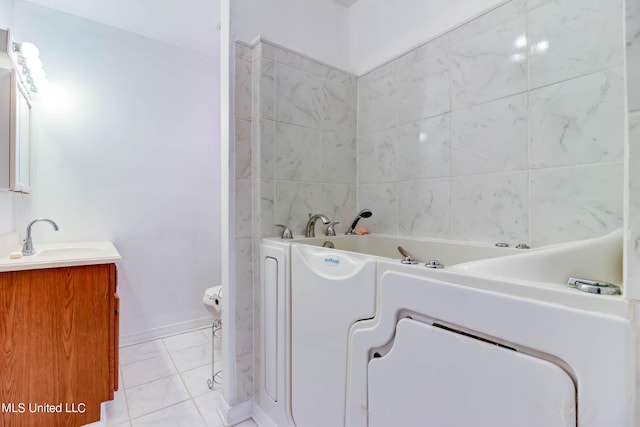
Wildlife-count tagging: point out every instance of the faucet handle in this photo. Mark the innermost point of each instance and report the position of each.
(331, 231)
(286, 232)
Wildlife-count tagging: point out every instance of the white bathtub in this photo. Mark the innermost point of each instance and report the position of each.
(517, 298)
(446, 251)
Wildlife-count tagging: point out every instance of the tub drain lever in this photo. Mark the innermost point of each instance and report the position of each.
(408, 259)
(594, 286)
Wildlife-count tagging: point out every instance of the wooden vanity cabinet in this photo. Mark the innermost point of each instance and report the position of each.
(58, 345)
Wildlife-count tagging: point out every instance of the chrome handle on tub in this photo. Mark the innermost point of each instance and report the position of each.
(408, 259)
(594, 286)
(286, 232)
(331, 230)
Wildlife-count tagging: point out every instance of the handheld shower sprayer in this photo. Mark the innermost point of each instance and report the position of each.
(365, 213)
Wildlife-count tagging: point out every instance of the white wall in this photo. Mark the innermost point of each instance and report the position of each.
(6, 199)
(319, 28)
(6, 11)
(127, 149)
(380, 30)
(354, 39)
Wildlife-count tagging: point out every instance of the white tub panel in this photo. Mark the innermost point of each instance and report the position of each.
(270, 286)
(330, 290)
(449, 380)
(594, 347)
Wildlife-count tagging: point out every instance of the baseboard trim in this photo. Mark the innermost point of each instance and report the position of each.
(164, 331)
(261, 418)
(231, 415)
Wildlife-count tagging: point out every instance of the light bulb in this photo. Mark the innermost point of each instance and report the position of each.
(29, 50)
(38, 74)
(34, 63)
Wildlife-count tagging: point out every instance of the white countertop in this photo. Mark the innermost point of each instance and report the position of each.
(62, 255)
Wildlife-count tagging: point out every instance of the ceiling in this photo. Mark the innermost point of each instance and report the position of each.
(190, 24)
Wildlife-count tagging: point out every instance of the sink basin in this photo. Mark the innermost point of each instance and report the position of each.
(63, 255)
(69, 252)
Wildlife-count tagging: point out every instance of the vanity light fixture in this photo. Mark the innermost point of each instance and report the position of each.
(29, 65)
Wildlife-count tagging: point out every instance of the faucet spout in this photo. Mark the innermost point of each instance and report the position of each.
(310, 228)
(27, 247)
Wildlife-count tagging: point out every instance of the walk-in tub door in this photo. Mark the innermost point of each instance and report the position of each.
(435, 377)
(330, 290)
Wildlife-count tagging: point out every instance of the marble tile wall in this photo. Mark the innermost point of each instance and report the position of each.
(633, 99)
(244, 232)
(305, 128)
(508, 128)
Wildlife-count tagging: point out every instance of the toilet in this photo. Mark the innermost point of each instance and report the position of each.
(212, 300)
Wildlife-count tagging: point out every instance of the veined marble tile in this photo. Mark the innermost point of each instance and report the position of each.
(298, 97)
(424, 86)
(377, 100)
(578, 121)
(186, 340)
(242, 89)
(265, 50)
(244, 276)
(184, 414)
(192, 357)
(377, 157)
(294, 202)
(535, 3)
(265, 216)
(633, 220)
(298, 150)
(143, 351)
(339, 204)
(423, 149)
(339, 103)
(196, 380)
(243, 208)
(208, 404)
(267, 92)
(244, 52)
(490, 208)
(116, 409)
(243, 149)
(564, 42)
(267, 149)
(147, 370)
(490, 19)
(382, 199)
(338, 158)
(633, 53)
(490, 137)
(300, 62)
(575, 203)
(156, 395)
(424, 208)
(489, 65)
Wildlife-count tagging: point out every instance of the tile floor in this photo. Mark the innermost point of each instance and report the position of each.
(163, 383)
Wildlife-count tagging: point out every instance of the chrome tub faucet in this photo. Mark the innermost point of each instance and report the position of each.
(310, 228)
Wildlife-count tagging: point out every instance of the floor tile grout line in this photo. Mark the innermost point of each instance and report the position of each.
(159, 409)
(168, 352)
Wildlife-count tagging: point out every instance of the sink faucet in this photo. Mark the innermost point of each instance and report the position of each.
(27, 247)
(310, 229)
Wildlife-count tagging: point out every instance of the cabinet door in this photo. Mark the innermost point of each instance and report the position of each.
(6, 82)
(57, 331)
(23, 143)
